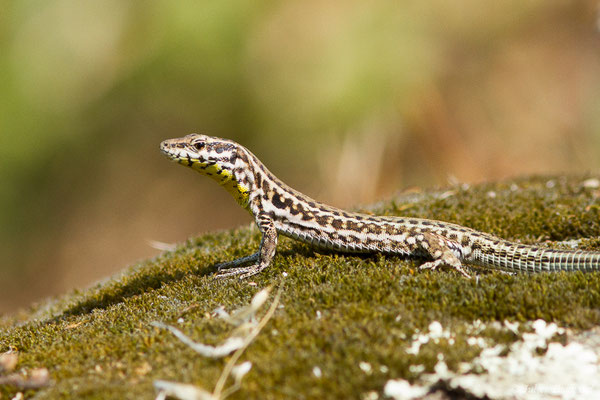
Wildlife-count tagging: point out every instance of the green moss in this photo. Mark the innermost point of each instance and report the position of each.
(338, 310)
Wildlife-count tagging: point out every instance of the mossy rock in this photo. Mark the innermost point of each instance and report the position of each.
(338, 312)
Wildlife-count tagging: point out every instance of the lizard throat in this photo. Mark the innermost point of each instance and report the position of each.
(225, 178)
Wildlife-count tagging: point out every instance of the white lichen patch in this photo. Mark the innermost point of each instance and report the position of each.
(532, 368)
(434, 334)
(365, 367)
(317, 372)
(400, 389)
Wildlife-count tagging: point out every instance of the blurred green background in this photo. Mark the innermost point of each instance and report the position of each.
(348, 101)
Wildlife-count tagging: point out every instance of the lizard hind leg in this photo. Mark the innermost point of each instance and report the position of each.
(436, 248)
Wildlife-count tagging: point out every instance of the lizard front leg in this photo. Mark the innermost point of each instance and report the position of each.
(261, 259)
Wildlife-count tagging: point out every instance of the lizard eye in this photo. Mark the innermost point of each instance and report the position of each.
(199, 145)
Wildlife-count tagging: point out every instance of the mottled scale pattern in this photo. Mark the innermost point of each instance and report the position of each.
(279, 209)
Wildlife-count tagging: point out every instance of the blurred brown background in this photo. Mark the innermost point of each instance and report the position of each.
(348, 101)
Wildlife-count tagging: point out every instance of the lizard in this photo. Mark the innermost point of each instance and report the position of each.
(279, 209)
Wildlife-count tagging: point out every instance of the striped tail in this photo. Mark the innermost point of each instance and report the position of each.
(522, 258)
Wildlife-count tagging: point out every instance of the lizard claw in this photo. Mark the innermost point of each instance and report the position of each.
(241, 272)
(436, 263)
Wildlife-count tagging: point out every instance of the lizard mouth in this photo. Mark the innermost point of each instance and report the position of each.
(177, 153)
(172, 152)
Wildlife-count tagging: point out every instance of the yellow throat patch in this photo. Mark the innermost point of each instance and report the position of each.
(225, 178)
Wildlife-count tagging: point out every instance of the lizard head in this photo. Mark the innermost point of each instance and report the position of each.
(200, 151)
(211, 156)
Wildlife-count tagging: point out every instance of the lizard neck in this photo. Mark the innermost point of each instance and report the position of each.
(235, 176)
